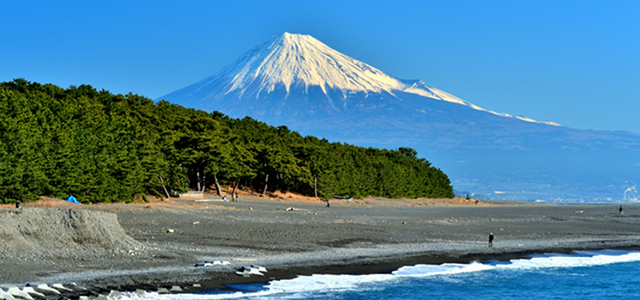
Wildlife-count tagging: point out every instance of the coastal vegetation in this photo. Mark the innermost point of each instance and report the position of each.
(104, 147)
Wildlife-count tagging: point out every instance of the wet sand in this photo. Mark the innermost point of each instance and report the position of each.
(359, 236)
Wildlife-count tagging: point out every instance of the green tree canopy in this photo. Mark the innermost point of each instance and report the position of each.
(102, 147)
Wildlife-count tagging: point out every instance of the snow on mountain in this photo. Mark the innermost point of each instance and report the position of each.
(422, 89)
(301, 61)
(297, 81)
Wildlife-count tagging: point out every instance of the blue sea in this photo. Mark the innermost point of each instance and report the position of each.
(609, 274)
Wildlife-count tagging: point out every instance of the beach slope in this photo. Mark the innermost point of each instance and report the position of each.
(126, 246)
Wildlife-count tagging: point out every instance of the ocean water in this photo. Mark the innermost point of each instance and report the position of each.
(609, 274)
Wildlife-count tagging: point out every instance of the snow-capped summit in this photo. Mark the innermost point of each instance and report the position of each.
(298, 66)
(297, 59)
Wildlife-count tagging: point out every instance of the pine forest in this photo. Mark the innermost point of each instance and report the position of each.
(102, 147)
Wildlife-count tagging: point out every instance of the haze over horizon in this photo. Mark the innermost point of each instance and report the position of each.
(574, 63)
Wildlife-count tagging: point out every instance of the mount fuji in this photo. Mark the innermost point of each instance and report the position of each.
(297, 81)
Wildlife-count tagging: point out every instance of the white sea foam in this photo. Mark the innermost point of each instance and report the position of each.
(326, 283)
(580, 259)
(313, 283)
(232, 295)
(444, 269)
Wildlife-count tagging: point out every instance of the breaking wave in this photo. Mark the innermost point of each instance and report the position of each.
(313, 284)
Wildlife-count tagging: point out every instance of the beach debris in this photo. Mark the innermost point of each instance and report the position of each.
(76, 287)
(16, 292)
(45, 289)
(290, 209)
(208, 263)
(170, 230)
(5, 295)
(176, 289)
(342, 198)
(260, 268)
(197, 285)
(29, 290)
(83, 298)
(578, 211)
(140, 292)
(114, 294)
(248, 271)
(196, 222)
(61, 288)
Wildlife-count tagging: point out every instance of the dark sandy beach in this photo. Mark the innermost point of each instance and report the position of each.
(159, 243)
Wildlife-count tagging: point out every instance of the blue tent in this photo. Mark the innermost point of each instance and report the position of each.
(72, 199)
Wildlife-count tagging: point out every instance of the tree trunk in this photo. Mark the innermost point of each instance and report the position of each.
(215, 180)
(164, 187)
(198, 178)
(235, 187)
(278, 180)
(266, 181)
(204, 180)
(315, 185)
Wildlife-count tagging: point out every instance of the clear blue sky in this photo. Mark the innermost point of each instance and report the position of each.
(573, 62)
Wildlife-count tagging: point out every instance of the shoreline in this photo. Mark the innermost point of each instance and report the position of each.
(224, 280)
(374, 236)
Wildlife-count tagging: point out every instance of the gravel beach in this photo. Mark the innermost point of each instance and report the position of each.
(158, 244)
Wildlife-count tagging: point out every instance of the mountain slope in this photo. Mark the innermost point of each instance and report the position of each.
(297, 81)
(293, 67)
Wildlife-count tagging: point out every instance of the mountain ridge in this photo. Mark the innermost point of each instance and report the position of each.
(304, 62)
(482, 151)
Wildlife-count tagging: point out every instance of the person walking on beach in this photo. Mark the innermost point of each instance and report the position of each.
(491, 240)
(328, 202)
(620, 210)
(18, 204)
(236, 197)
